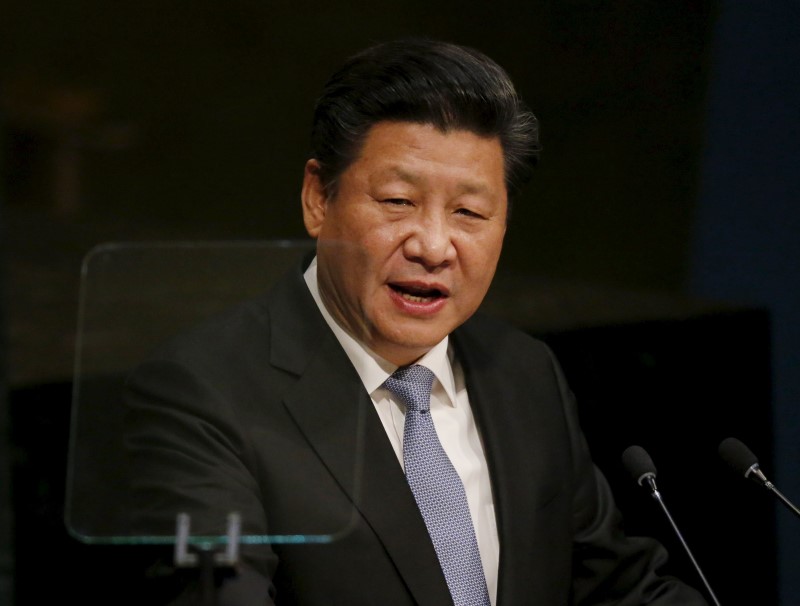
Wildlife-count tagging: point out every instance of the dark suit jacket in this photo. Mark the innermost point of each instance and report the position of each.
(260, 411)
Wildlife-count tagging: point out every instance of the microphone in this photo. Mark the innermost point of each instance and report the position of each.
(742, 460)
(640, 466)
(642, 469)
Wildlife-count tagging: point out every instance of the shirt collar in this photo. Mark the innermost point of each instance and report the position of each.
(371, 368)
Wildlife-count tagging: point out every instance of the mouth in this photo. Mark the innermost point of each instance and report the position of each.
(419, 293)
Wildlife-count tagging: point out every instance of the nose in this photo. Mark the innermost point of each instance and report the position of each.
(430, 241)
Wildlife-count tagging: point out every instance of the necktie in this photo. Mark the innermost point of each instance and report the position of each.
(438, 490)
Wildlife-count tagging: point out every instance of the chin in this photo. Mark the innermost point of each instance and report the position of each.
(417, 347)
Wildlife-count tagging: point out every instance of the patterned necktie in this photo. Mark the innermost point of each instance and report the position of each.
(438, 490)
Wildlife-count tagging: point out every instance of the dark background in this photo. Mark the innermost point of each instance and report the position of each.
(667, 194)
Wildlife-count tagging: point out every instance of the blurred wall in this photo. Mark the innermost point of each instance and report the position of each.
(746, 243)
(194, 116)
(6, 510)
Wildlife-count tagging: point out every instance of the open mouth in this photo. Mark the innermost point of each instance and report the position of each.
(417, 294)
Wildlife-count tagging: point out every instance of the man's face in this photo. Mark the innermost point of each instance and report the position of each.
(408, 245)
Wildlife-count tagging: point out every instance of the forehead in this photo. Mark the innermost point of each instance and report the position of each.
(414, 153)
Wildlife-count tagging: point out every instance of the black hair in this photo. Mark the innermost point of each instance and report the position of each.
(425, 81)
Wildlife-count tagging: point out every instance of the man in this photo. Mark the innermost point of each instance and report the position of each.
(362, 399)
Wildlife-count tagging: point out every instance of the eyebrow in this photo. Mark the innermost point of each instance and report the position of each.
(471, 187)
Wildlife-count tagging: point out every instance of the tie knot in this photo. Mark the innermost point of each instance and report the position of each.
(412, 384)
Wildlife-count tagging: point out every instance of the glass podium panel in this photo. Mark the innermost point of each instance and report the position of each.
(181, 405)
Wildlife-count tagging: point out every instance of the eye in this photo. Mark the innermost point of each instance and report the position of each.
(396, 201)
(469, 213)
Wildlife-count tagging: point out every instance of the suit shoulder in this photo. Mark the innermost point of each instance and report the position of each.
(493, 343)
(226, 335)
(498, 335)
(278, 329)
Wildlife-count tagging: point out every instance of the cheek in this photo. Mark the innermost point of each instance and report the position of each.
(478, 269)
(480, 256)
(382, 249)
(381, 240)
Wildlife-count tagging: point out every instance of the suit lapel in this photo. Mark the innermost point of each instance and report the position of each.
(514, 435)
(337, 417)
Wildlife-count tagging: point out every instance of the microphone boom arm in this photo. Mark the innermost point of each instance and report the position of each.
(760, 478)
(657, 496)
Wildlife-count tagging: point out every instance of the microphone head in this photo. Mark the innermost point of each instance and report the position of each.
(638, 463)
(738, 456)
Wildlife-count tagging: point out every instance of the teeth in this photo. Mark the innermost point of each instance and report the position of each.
(415, 298)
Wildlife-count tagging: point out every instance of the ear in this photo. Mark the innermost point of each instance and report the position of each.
(314, 199)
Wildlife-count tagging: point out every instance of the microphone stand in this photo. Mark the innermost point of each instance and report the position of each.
(760, 478)
(649, 479)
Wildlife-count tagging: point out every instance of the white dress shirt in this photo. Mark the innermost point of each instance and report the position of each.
(452, 417)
